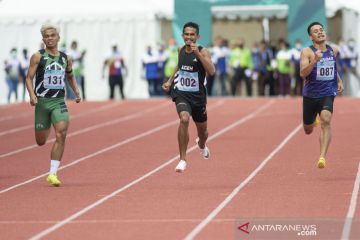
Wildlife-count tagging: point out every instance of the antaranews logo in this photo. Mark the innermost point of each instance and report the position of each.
(244, 227)
(263, 227)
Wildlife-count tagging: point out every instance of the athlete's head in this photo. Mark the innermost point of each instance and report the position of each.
(316, 32)
(190, 33)
(50, 34)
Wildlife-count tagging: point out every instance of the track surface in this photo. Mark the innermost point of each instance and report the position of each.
(119, 180)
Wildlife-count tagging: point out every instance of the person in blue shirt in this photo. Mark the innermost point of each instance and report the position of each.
(322, 83)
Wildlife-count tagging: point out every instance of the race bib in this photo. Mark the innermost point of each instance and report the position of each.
(325, 70)
(54, 79)
(187, 81)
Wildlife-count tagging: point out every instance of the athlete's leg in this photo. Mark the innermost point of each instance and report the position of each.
(183, 133)
(202, 133)
(310, 111)
(59, 144)
(325, 135)
(42, 121)
(41, 136)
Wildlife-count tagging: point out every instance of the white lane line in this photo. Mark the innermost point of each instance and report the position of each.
(16, 116)
(352, 207)
(104, 199)
(95, 221)
(113, 146)
(227, 200)
(94, 127)
(95, 110)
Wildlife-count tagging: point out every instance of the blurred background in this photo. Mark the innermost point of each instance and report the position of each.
(255, 44)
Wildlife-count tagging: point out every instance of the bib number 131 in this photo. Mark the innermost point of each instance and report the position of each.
(54, 81)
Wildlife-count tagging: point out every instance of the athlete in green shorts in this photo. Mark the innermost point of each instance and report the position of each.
(50, 66)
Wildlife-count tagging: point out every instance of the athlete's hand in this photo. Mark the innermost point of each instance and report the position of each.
(318, 55)
(33, 100)
(195, 48)
(78, 97)
(166, 86)
(340, 87)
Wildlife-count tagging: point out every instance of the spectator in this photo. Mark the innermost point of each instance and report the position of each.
(241, 62)
(12, 73)
(117, 68)
(150, 65)
(78, 67)
(283, 58)
(25, 62)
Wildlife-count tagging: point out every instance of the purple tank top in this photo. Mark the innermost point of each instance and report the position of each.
(322, 81)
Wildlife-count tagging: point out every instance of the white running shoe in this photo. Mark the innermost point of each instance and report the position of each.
(181, 166)
(205, 152)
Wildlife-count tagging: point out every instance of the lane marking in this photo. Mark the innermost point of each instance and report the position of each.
(95, 221)
(81, 114)
(113, 146)
(352, 207)
(111, 195)
(93, 127)
(227, 200)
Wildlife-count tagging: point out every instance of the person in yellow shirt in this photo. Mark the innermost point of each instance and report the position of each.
(242, 64)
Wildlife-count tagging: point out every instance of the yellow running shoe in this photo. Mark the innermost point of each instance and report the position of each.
(53, 180)
(317, 121)
(321, 162)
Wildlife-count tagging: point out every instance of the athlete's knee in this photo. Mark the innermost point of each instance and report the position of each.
(308, 130)
(325, 121)
(184, 119)
(61, 135)
(40, 142)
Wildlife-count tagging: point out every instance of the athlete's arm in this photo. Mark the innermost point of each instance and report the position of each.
(34, 62)
(71, 79)
(166, 86)
(205, 59)
(308, 60)
(340, 86)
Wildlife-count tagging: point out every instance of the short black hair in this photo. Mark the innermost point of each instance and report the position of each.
(311, 25)
(192, 25)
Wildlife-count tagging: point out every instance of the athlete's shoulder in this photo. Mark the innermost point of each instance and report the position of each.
(307, 51)
(63, 54)
(333, 48)
(181, 48)
(36, 56)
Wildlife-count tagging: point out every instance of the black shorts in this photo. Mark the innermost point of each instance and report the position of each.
(313, 106)
(198, 113)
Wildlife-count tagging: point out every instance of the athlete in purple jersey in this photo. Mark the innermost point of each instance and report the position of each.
(322, 83)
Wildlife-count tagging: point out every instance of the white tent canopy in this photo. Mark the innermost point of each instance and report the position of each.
(96, 25)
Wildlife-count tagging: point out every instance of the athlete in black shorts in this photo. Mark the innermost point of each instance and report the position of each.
(322, 83)
(186, 87)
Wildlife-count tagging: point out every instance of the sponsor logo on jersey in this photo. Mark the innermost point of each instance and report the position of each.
(188, 68)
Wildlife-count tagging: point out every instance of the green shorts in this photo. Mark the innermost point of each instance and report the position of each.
(50, 111)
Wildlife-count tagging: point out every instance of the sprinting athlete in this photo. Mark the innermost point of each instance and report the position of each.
(50, 66)
(322, 83)
(186, 86)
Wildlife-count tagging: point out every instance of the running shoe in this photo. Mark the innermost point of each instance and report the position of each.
(53, 180)
(181, 166)
(317, 121)
(205, 152)
(321, 163)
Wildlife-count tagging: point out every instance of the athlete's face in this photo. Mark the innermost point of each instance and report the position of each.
(317, 34)
(51, 38)
(190, 36)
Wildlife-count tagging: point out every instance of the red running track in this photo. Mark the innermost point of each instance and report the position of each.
(119, 180)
